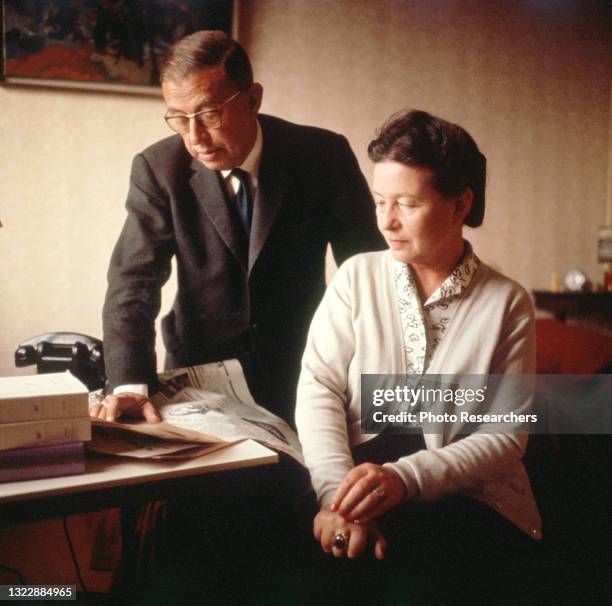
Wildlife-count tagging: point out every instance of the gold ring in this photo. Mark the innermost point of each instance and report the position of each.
(379, 492)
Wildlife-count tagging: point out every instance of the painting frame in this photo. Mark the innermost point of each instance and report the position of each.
(65, 53)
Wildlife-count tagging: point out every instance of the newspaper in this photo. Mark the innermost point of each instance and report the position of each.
(211, 404)
(130, 440)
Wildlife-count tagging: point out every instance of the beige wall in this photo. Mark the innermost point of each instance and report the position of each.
(529, 79)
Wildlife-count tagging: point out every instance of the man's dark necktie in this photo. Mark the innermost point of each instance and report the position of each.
(243, 198)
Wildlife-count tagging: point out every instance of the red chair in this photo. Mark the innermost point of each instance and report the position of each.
(567, 349)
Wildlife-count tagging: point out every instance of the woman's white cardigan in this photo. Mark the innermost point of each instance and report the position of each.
(357, 329)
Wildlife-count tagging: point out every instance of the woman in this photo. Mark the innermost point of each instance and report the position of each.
(426, 305)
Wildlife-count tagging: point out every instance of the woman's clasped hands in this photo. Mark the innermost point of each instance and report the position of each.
(346, 539)
(348, 523)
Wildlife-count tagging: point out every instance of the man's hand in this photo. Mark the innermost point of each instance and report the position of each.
(328, 524)
(130, 404)
(368, 491)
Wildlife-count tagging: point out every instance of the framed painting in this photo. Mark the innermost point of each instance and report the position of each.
(113, 45)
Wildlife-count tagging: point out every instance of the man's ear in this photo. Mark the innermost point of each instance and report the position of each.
(255, 95)
(463, 204)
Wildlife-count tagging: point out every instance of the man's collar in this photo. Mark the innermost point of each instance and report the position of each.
(253, 160)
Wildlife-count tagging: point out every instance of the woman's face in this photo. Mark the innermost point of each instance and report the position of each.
(420, 226)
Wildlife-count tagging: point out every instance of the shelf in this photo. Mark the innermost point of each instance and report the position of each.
(582, 304)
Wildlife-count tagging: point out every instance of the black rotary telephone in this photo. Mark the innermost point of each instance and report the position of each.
(58, 351)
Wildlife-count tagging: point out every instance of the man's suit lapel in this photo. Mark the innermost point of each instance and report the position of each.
(209, 192)
(273, 183)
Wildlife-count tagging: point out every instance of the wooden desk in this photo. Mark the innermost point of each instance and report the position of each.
(114, 482)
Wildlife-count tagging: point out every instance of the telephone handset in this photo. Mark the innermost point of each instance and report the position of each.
(58, 351)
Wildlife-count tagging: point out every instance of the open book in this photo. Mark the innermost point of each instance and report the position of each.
(203, 408)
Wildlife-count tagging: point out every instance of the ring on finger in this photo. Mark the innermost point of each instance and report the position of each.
(340, 541)
(379, 493)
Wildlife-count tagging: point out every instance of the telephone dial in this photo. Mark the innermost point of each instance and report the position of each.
(58, 351)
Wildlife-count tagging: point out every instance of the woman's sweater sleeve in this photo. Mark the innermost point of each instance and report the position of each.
(323, 390)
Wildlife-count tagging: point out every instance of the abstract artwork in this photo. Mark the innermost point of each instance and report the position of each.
(109, 44)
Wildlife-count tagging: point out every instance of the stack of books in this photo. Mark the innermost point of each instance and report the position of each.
(44, 422)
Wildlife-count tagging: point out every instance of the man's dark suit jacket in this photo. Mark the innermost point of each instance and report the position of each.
(251, 299)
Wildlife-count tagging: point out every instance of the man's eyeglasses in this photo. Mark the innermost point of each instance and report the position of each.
(207, 118)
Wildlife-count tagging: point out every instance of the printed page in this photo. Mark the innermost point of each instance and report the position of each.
(211, 403)
(126, 443)
(226, 378)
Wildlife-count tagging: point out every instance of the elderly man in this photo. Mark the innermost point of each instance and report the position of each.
(247, 204)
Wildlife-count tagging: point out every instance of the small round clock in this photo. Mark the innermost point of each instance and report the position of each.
(575, 280)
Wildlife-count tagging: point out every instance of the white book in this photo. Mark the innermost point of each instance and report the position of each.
(43, 433)
(42, 397)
